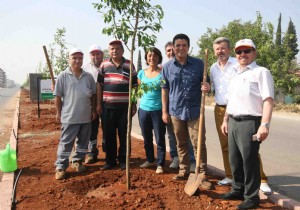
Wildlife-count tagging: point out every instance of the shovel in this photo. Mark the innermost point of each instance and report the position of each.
(195, 179)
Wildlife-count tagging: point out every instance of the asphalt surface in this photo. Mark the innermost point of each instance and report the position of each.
(280, 152)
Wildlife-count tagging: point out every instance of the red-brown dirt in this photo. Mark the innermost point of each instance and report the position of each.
(95, 188)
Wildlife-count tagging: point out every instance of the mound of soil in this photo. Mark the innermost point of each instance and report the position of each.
(96, 188)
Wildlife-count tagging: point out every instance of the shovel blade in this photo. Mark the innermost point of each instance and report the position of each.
(192, 184)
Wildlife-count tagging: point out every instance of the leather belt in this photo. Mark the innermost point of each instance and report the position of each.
(223, 106)
(244, 117)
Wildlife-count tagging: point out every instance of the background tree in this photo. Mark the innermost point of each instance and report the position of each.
(61, 53)
(267, 53)
(278, 32)
(131, 21)
(58, 55)
(105, 54)
(290, 41)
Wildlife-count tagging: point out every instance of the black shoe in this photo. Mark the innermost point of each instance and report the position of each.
(248, 204)
(232, 196)
(122, 166)
(108, 167)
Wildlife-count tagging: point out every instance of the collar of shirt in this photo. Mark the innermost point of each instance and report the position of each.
(230, 60)
(188, 61)
(251, 66)
(123, 61)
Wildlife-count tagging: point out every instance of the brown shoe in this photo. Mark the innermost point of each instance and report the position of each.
(181, 176)
(78, 166)
(206, 184)
(90, 159)
(60, 174)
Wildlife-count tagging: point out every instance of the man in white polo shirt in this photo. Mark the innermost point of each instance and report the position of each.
(246, 122)
(75, 100)
(92, 67)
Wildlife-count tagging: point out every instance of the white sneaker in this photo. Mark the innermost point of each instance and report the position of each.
(264, 187)
(225, 181)
(175, 163)
(147, 164)
(160, 170)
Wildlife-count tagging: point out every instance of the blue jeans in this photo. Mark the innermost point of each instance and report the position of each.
(173, 144)
(152, 120)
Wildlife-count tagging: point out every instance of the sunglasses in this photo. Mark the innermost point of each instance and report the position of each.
(247, 51)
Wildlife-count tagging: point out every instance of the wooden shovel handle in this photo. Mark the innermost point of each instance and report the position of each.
(49, 65)
(201, 120)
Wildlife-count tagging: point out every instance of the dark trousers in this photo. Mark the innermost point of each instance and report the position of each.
(93, 150)
(115, 121)
(149, 121)
(243, 157)
(102, 117)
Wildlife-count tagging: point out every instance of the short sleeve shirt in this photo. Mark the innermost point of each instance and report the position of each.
(184, 85)
(76, 94)
(150, 101)
(115, 83)
(248, 89)
(92, 69)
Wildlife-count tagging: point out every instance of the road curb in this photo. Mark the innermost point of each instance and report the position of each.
(275, 197)
(7, 182)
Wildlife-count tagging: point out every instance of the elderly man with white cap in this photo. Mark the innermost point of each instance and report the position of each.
(77, 89)
(96, 55)
(247, 122)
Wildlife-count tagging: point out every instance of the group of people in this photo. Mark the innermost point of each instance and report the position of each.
(243, 91)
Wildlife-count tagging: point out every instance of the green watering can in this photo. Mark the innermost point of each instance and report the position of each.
(8, 159)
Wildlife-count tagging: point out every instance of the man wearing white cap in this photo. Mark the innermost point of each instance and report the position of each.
(77, 89)
(220, 73)
(247, 122)
(92, 67)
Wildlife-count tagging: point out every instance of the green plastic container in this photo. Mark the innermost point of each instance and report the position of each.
(8, 159)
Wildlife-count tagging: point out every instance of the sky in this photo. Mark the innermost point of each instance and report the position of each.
(27, 25)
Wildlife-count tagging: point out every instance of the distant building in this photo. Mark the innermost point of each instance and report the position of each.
(10, 83)
(2, 78)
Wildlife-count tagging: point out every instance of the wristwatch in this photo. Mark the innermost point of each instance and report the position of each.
(267, 125)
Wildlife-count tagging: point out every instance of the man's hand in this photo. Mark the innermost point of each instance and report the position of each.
(205, 87)
(262, 133)
(133, 109)
(166, 118)
(99, 109)
(94, 115)
(58, 116)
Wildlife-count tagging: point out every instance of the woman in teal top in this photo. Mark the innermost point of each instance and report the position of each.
(150, 110)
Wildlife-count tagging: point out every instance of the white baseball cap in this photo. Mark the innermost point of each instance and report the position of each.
(75, 50)
(245, 43)
(95, 48)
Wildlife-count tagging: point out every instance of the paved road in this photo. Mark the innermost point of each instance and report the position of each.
(280, 153)
(8, 100)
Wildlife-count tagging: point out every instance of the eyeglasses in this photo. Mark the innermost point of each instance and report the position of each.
(239, 52)
(169, 50)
